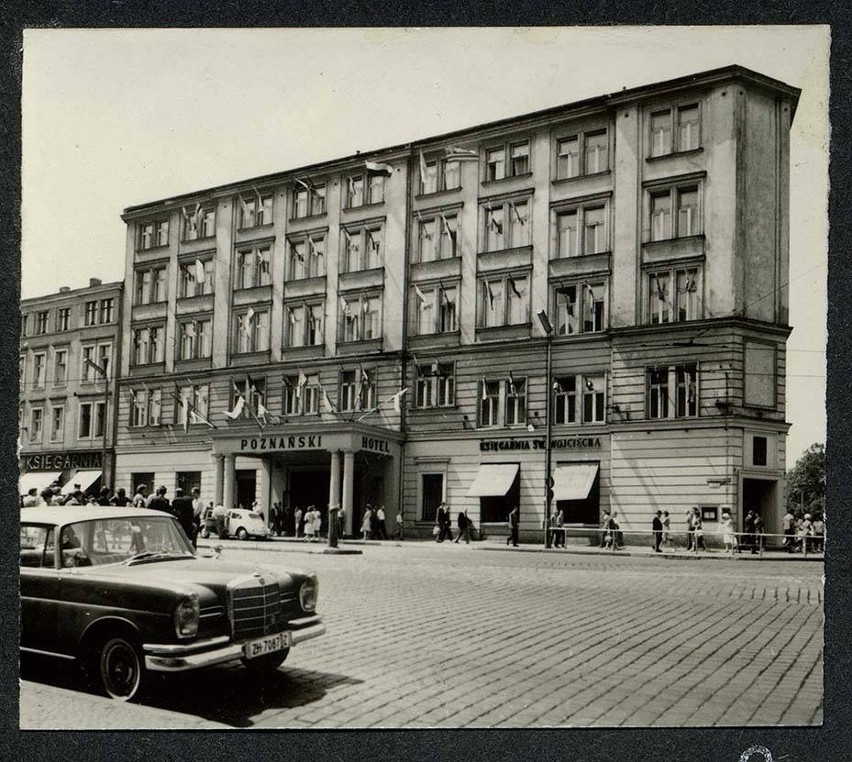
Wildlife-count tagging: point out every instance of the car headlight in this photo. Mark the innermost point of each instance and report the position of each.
(186, 617)
(308, 594)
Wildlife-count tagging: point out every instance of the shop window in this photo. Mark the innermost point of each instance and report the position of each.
(585, 510)
(435, 385)
(188, 481)
(431, 496)
(495, 510)
(673, 295)
(672, 392)
(308, 199)
(580, 308)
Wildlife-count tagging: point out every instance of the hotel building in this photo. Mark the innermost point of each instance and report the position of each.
(271, 325)
(69, 342)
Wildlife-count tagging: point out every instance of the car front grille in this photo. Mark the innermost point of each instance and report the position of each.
(256, 610)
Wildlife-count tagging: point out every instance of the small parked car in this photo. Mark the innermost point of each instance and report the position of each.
(239, 523)
(121, 591)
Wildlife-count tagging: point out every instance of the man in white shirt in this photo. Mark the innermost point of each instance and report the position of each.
(383, 529)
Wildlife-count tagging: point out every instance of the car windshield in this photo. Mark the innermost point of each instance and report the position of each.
(104, 541)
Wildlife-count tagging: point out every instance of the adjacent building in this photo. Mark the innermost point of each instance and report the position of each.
(365, 330)
(69, 342)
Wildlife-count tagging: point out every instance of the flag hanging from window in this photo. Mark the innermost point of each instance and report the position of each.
(397, 400)
(521, 220)
(436, 368)
(328, 404)
(445, 296)
(495, 225)
(661, 291)
(376, 166)
(351, 182)
(589, 385)
(490, 294)
(421, 296)
(199, 271)
(423, 170)
(291, 315)
(297, 255)
(447, 229)
(363, 304)
(238, 408)
(591, 292)
(344, 306)
(190, 329)
(514, 286)
(484, 388)
(513, 390)
(305, 185)
(557, 388)
(461, 154)
(261, 410)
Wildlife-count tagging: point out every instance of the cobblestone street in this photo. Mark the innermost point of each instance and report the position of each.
(457, 636)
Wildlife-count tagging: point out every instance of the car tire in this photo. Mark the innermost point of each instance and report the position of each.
(117, 668)
(265, 665)
(205, 533)
(242, 534)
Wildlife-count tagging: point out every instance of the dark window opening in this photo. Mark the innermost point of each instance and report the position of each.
(582, 511)
(495, 510)
(433, 494)
(759, 451)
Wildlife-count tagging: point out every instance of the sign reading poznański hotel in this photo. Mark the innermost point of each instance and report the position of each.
(562, 443)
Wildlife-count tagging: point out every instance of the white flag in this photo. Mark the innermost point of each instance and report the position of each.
(397, 399)
(375, 166)
(421, 296)
(238, 408)
(199, 271)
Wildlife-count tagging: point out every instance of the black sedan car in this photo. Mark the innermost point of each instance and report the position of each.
(121, 591)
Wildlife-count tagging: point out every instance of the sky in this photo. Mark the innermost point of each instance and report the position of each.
(113, 118)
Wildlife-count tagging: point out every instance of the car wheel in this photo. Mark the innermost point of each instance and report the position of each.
(266, 664)
(205, 533)
(242, 534)
(120, 669)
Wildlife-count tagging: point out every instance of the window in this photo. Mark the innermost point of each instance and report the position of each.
(41, 322)
(253, 391)
(686, 219)
(194, 337)
(580, 308)
(507, 225)
(503, 300)
(301, 394)
(150, 285)
(90, 313)
(57, 423)
(431, 496)
(191, 405)
(148, 345)
(199, 223)
(362, 249)
(39, 369)
(585, 153)
(581, 230)
(357, 390)
(251, 330)
(516, 401)
(196, 278)
(255, 210)
(675, 129)
(669, 305)
(361, 317)
(145, 408)
(92, 420)
(307, 258)
(437, 237)
(489, 403)
(496, 167)
(435, 309)
(60, 367)
(152, 234)
(435, 386)
(25, 319)
(107, 309)
(308, 199)
(304, 326)
(253, 267)
(36, 425)
(579, 399)
(760, 374)
(99, 354)
(673, 391)
(758, 451)
(63, 318)
(364, 189)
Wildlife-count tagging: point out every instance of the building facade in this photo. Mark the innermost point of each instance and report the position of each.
(364, 330)
(69, 342)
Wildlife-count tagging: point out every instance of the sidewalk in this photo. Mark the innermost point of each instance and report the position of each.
(46, 707)
(294, 545)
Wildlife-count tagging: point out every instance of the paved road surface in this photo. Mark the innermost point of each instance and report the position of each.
(457, 636)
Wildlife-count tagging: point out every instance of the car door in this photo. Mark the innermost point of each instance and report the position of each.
(40, 587)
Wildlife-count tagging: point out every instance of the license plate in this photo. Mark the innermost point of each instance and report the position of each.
(266, 645)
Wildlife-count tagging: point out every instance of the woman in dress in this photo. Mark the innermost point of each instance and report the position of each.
(728, 536)
(309, 524)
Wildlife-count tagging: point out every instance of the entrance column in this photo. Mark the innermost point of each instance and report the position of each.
(219, 477)
(334, 482)
(348, 486)
(265, 502)
(229, 481)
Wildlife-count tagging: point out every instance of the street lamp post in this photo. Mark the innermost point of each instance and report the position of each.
(99, 369)
(548, 479)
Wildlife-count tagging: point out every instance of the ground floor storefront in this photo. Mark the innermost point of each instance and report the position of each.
(66, 468)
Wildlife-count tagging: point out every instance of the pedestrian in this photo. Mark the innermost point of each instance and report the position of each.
(383, 528)
(103, 496)
(445, 521)
(140, 498)
(308, 519)
(374, 524)
(690, 529)
(554, 531)
(399, 524)
(560, 524)
(159, 502)
(463, 523)
(31, 499)
(612, 534)
(273, 518)
(197, 511)
(120, 498)
(183, 511)
(805, 532)
(657, 531)
(748, 532)
(729, 538)
(298, 521)
(604, 529)
(789, 523)
(341, 520)
(697, 530)
(818, 529)
(514, 525)
(667, 531)
(758, 533)
(75, 497)
(220, 515)
(365, 523)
